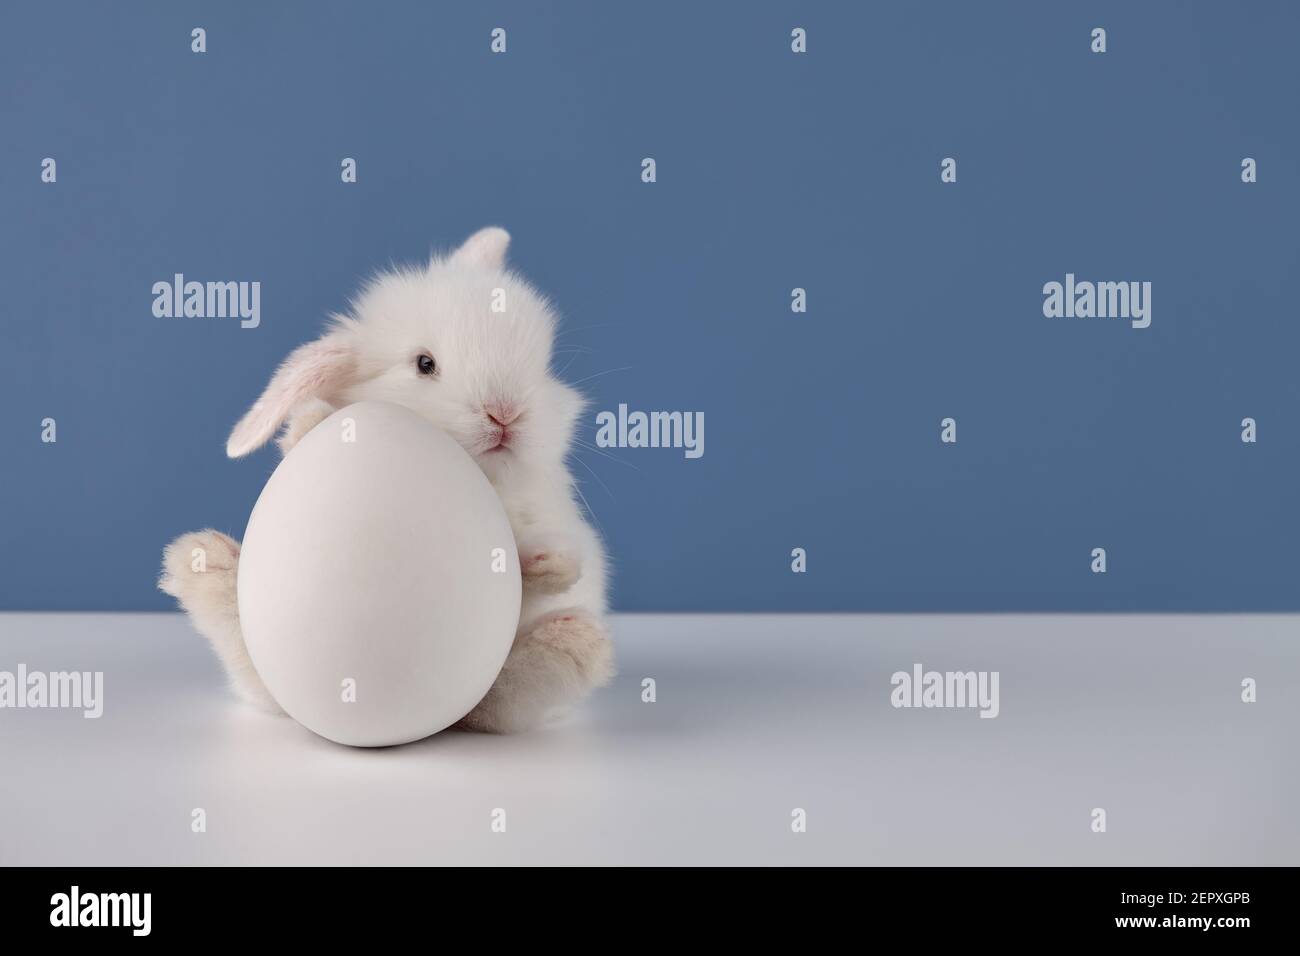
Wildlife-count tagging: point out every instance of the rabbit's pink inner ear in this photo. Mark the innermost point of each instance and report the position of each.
(485, 249)
(315, 370)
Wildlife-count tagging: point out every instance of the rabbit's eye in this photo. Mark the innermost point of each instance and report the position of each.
(426, 364)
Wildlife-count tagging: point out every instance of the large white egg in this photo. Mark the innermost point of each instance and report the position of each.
(378, 580)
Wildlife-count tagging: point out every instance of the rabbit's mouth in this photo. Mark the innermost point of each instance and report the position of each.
(499, 438)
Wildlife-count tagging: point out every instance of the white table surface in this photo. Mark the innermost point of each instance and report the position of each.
(756, 715)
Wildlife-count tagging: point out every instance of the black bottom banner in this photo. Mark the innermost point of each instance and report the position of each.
(230, 904)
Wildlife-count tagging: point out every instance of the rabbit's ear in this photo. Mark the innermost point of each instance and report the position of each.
(486, 249)
(316, 370)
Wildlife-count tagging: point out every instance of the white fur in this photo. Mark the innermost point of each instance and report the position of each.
(488, 363)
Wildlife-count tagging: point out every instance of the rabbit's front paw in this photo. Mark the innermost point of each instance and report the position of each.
(548, 571)
(200, 568)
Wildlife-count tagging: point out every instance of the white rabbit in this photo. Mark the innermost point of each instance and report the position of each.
(467, 344)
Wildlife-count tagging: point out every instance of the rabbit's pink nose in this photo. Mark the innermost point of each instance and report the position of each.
(502, 415)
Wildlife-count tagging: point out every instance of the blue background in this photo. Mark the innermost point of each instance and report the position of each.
(775, 171)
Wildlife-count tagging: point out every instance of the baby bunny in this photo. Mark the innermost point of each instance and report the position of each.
(467, 344)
